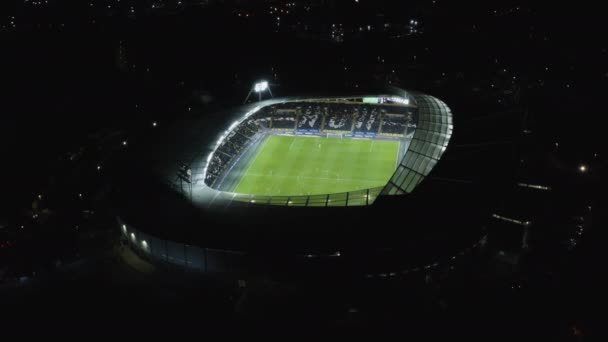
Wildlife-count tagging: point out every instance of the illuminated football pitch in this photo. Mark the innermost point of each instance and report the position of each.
(297, 165)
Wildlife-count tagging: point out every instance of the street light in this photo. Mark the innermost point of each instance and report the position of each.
(582, 168)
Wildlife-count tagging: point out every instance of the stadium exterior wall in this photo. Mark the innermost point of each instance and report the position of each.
(224, 261)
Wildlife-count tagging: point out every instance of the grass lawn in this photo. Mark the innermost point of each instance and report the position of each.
(295, 165)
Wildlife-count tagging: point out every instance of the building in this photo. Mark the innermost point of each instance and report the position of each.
(432, 211)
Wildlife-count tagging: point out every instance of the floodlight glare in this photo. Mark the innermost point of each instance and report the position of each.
(261, 86)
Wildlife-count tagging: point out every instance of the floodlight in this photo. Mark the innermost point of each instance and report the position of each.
(261, 86)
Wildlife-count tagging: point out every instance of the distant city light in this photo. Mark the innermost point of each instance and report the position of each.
(124, 143)
(582, 168)
(154, 124)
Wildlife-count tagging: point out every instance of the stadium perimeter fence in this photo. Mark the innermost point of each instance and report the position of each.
(344, 199)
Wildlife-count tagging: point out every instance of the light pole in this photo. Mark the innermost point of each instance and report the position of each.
(259, 88)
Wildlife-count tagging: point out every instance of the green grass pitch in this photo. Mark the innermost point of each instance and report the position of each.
(293, 166)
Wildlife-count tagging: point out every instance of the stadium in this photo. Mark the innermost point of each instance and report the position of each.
(353, 183)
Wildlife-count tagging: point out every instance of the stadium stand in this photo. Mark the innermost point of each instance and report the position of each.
(233, 145)
(311, 117)
(284, 118)
(262, 118)
(214, 169)
(368, 120)
(394, 124)
(339, 118)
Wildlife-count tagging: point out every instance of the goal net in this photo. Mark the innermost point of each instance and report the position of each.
(335, 135)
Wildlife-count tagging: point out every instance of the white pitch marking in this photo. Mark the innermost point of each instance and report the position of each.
(291, 144)
(260, 148)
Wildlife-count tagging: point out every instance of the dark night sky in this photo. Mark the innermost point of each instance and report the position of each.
(60, 86)
(68, 80)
